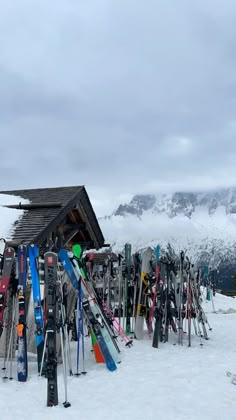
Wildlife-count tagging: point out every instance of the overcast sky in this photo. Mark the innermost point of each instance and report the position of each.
(122, 96)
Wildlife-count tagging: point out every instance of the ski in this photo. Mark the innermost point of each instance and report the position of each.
(155, 308)
(128, 305)
(2, 248)
(141, 307)
(80, 330)
(50, 267)
(33, 254)
(22, 365)
(8, 262)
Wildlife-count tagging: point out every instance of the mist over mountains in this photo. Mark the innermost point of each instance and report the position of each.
(180, 203)
(201, 223)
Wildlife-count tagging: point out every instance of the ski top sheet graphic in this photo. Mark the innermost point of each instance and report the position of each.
(141, 307)
(22, 366)
(33, 254)
(128, 304)
(50, 267)
(8, 262)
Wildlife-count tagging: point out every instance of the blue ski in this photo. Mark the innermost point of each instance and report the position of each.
(33, 253)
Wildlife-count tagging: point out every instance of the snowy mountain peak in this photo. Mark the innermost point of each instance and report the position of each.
(138, 204)
(180, 203)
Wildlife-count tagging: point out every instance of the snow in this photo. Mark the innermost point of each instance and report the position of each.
(161, 226)
(9, 216)
(172, 382)
(200, 232)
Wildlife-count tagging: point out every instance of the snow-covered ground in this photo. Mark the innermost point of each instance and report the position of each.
(168, 383)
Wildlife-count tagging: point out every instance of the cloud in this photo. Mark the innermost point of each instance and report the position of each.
(121, 96)
(196, 235)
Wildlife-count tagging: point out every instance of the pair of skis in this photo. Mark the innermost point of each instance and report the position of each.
(54, 323)
(22, 363)
(7, 262)
(7, 306)
(46, 335)
(102, 341)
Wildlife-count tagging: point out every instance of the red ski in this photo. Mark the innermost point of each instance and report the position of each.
(8, 261)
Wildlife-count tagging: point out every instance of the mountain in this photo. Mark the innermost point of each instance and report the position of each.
(185, 203)
(202, 223)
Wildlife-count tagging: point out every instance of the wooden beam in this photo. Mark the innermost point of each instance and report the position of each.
(29, 206)
(70, 236)
(87, 244)
(79, 226)
(15, 243)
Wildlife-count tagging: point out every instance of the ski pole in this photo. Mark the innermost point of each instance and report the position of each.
(66, 402)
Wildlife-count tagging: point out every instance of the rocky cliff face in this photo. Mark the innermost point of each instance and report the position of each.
(180, 203)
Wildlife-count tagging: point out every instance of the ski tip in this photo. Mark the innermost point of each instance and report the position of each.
(157, 252)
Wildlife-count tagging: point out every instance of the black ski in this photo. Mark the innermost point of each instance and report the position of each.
(51, 327)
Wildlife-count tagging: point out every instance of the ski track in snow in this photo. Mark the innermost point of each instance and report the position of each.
(172, 382)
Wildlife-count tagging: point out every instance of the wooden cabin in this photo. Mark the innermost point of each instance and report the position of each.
(55, 217)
